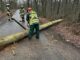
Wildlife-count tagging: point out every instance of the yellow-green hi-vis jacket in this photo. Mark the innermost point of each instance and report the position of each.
(33, 18)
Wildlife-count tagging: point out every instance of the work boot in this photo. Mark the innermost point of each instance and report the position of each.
(23, 19)
(9, 20)
(29, 37)
(37, 37)
(20, 21)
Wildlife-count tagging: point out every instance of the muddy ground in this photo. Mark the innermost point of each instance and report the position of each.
(70, 32)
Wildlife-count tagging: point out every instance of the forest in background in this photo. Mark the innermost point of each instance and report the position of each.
(52, 9)
(49, 8)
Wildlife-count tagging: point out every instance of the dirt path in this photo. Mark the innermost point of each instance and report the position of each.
(47, 48)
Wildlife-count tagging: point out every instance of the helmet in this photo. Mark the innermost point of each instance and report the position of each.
(29, 9)
(7, 4)
(21, 7)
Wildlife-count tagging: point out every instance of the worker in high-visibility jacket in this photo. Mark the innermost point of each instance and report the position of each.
(33, 22)
(22, 12)
(9, 14)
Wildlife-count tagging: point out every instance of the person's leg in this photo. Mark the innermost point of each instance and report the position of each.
(37, 30)
(23, 19)
(8, 17)
(31, 31)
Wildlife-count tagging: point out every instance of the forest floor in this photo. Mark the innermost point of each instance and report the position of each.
(2, 14)
(68, 30)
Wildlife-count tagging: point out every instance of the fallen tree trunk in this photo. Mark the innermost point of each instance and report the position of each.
(18, 36)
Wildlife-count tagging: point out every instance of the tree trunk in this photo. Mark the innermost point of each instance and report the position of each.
(19, 36)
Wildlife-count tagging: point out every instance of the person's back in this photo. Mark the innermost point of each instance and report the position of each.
(33, 22)
(33, 17)
(21, 11)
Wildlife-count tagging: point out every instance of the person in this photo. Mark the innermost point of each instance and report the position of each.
(8, 12)
(22, 12)
(33, 21)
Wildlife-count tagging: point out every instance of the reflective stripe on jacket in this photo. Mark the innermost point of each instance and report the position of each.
(21, 12)
(8, 13)
(33, 18)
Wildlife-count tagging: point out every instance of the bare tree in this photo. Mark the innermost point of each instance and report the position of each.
(2, 5)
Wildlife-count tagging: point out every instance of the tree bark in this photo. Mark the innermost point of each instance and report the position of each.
(19, 36)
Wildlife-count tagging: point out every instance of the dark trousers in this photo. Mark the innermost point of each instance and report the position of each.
(34, 29)
(9, 16)
(22, 16)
